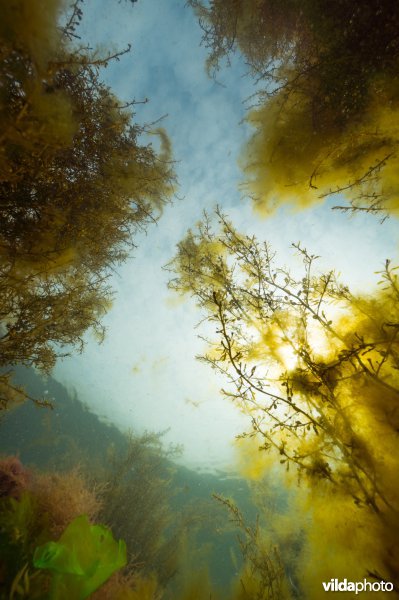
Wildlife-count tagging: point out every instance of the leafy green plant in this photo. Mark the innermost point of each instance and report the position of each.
(84, 557)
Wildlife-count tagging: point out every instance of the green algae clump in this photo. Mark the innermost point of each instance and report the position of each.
(82, 560)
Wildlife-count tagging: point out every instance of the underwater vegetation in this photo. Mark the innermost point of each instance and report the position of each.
(326, 116)
(315, 367)
(14, 477)
(263, 576)
(35, 560)
(51, 549)
(312, 364)
(136, 499)
(163, 511)
(82, 559)
(76, 184)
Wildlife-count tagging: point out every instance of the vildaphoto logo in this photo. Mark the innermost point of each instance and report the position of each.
(335, 585)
